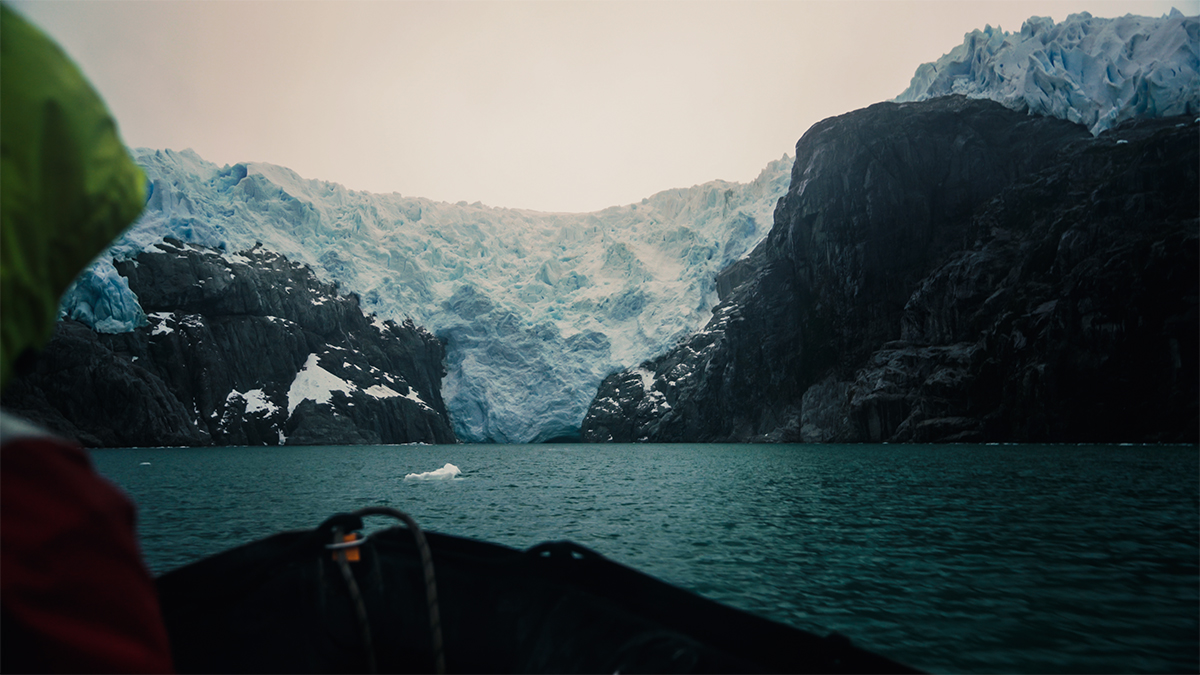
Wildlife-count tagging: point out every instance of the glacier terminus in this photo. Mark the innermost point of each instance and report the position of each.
(535, 308)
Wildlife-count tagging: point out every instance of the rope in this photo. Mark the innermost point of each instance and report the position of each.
(431, 599)
(360, 608)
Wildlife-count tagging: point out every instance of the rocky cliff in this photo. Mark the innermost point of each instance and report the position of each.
(237, 349)
(949, 270)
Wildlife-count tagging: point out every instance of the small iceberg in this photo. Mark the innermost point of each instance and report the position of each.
(445, 473)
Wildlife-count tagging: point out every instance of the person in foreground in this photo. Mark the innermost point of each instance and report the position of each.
(75, 594)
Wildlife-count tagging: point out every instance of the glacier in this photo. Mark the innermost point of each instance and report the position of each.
(1093, 71)
(536, 308)
(100, 298)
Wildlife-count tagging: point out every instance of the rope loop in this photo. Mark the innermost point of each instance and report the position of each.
(431, 597)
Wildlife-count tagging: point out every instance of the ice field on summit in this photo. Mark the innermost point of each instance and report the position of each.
(1092, 71)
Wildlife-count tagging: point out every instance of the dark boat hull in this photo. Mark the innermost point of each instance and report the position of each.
(281, 604)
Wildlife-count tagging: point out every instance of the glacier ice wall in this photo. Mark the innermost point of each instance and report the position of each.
(537, 308)
(1092, 71)
(101, 298)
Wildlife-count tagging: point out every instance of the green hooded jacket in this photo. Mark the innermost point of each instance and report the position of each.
(68, 186)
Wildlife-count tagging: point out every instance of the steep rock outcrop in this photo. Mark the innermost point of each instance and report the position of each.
(240, 349)
(948, 270)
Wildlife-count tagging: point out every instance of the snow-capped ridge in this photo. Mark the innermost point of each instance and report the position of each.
(1092, 71)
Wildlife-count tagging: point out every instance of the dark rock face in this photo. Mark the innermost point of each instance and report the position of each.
(949, 271)
(244, 349)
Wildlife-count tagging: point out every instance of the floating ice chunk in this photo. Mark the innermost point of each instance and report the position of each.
(445, 473)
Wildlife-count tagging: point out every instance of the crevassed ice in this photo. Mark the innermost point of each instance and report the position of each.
(536, 308)
(1093, 71)
(101, 298)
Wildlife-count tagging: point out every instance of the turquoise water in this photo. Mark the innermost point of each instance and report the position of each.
(1028, 559)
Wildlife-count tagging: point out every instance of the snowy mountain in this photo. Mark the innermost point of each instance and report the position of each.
(1092, 71)
(536, 308)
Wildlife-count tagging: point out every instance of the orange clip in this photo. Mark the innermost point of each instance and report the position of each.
(352, 554)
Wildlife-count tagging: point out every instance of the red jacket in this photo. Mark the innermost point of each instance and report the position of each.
(76, 595)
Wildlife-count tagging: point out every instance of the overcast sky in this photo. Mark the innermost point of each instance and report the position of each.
(555, 106)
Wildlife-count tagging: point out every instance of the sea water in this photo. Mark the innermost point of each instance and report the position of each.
(955, 558)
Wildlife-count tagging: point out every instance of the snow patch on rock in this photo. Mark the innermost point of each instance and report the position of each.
(647, 378)
(316, 384)
(256, 402)
(381, 391)
(160, 322)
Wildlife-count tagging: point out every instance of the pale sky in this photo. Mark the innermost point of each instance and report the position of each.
(555, 106)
